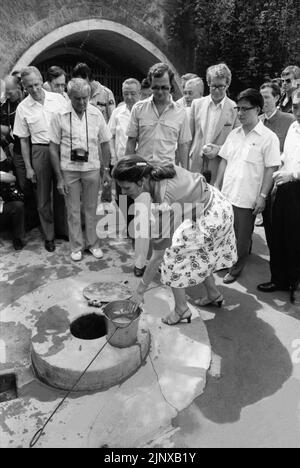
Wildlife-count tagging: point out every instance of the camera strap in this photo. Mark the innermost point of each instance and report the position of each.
(87, 132)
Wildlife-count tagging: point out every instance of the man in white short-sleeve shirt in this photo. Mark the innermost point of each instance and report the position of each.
(32, 125)
(75, 135)
(250, 156)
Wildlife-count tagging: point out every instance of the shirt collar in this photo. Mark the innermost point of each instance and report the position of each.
(69, 108)
(221, 104)
(259, 128)
(171, 103)
(271, 116)
(48, 97)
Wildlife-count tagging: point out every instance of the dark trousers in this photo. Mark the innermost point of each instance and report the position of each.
(130, 202)
(45, 190)
(26, 186)
(267, 217)
(285, 239)
(244, 227)
(13, 218)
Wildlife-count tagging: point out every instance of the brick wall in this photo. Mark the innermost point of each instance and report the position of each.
(24, 22)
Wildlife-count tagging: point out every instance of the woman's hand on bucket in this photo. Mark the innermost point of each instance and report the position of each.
(138, 296)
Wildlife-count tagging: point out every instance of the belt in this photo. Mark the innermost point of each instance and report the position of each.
(40, 144)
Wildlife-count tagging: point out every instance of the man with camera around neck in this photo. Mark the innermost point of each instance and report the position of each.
(79, 140)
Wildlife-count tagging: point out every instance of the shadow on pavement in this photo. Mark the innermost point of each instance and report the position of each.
(254, 363)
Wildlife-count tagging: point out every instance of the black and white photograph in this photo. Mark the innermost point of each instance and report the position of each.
(149, 226)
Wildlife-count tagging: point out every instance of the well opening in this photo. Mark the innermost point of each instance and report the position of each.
(8, 387)
(89, 327)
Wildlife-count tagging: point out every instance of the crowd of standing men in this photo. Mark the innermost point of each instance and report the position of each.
(60, 141)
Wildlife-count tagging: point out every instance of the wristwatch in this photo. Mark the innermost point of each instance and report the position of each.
(264, 196)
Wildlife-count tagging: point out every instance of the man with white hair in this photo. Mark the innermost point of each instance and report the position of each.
(32, 126)
(184, 79)
(76, 133)
(194, 89)
(212, 119)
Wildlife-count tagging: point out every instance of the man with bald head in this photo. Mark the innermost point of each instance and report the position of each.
(285, 245)
(32, 126)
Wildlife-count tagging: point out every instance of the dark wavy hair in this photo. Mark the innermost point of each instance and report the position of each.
(158, 71)
(134, 168)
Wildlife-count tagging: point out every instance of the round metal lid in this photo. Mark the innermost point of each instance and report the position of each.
(107, 292)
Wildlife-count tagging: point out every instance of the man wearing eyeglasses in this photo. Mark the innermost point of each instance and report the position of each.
(289, 79)
(250, 156)
(158, 127)
(212, 119)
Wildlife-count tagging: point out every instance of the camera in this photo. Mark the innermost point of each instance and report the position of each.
(79, 155)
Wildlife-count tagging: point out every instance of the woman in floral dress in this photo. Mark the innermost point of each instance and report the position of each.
(192, 236)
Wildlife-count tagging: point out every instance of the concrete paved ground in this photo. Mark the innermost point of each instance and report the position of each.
(252, 398)
(253, 392)
(39, 293)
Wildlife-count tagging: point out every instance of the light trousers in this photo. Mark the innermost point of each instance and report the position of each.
(142, 217)
(87, 185)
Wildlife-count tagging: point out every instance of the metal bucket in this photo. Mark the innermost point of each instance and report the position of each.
(119, 317)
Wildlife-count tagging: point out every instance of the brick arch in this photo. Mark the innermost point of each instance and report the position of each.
(68, 30)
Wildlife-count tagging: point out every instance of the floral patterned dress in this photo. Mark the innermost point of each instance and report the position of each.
(203, 242)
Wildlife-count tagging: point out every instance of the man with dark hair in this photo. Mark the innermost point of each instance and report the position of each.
(285, 245)
(158, 126)
(56, 78)
(250, 156)
(101, 96)
(289, 78)
(279, 122)
(146, 90)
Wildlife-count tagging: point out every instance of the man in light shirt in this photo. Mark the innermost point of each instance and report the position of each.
(184, 79)
(285, 245)
(32, 126)
(212, 119)
(158, 127)
(56, 78)
(118, 125)
(250, 156)
(120, 119)
(76, 133)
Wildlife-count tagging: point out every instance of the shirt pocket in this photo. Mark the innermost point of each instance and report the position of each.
(169, 131)
(36, 125)
(254, 156)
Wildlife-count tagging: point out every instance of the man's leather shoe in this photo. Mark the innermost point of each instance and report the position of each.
(271, 287)
(18, 244)
(139, 272)
(50, 245)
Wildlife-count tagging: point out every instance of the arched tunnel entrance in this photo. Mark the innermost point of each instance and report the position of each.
(113, 51)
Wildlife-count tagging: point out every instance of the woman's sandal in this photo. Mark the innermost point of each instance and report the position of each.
(187, 315)
(218, 302)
